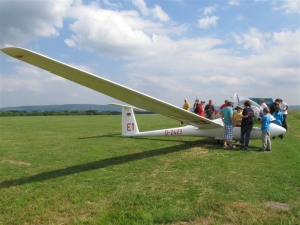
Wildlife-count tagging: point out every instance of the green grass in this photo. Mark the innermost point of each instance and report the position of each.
(80, 170)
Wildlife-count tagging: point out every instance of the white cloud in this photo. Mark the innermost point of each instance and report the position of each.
(202, 62)
(162, 66)
(123, 33)
(160, 14)
(114, 5)
(287, 37)
(291, 6)
(253, 40)
(209, 10)
(208, 22)
(240, 17)
(156, 12)
(70, 43)
(142, 6)
(37, 19)
(234, 2)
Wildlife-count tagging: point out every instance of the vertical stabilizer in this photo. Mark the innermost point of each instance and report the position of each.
(129, 124)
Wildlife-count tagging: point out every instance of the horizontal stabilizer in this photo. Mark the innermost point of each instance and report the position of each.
(127, 107)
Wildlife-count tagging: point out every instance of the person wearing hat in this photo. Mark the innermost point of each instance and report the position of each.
(186, 106)
(200, 108)
(237, 116)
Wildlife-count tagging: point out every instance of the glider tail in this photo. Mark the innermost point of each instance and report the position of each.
(129, 124)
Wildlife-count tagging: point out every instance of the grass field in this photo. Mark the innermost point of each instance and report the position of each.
(80, 170)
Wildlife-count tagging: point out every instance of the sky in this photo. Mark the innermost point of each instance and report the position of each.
(168, 49)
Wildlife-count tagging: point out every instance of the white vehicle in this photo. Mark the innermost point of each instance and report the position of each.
(198, 126)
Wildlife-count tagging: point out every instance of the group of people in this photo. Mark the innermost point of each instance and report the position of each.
(245, 119)
(278, 109)
(208, 111)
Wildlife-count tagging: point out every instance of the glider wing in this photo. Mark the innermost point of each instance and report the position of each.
(109, 88)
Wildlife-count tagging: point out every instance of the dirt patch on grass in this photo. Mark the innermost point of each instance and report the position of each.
(15, 162)
(278, 206)
(243, 213)
(196, 151)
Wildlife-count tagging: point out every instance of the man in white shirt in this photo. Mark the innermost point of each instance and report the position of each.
(262, 106)
(284, 107)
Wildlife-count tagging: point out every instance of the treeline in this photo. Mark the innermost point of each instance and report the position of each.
(56, 113)
(62, 113)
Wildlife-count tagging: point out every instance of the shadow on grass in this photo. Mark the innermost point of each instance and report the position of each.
(101, 164)
(138, 138)
(102, 136)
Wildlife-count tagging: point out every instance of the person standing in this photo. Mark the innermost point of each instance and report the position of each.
(200, 109)
(265, 130)
(224, 105)
(246, 125)
(272, 107)
(227, 118)
(195, 106)
(284, 107)
(237, 116)
(278, 118)
(209, 110)
(262, 106)
(186, 106)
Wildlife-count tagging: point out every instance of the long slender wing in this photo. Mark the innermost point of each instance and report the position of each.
(109, 88)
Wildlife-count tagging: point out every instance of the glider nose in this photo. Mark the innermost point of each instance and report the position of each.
(276, 130)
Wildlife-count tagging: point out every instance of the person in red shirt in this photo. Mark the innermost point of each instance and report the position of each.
(224, 105)
(200, 109)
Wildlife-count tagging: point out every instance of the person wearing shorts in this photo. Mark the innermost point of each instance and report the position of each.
(227, 118)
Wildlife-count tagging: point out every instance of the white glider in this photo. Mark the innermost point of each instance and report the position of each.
(198, 126)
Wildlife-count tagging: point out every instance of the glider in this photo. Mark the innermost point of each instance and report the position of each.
(198, 126)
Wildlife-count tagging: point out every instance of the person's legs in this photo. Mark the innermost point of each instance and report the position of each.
(208, 116)
(225, 136)
(284, 124)
(268, 141)
(247, 135)
(264, 139)
(243, 131)
(230, 136)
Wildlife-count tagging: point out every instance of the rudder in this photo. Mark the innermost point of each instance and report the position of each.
(129, 124)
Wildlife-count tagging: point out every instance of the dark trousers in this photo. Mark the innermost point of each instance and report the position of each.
(245, 134)
(209, 116)
(284, 125)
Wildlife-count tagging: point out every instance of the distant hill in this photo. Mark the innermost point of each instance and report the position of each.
(69, 107)
(79, 107)
(294, 107)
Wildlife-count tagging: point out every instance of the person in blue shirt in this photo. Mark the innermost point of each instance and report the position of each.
(265, 130)
(278, 117)
(227, 118)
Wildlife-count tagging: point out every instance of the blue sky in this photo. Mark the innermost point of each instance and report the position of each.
(171, 49)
